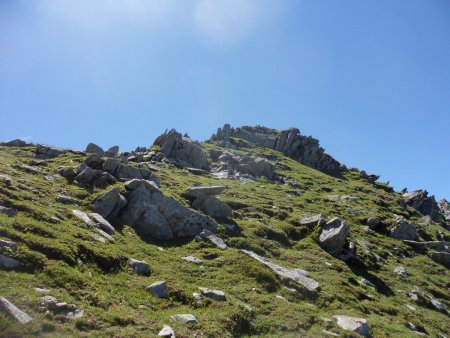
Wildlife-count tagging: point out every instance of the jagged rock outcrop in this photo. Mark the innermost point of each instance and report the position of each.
(14, 143)
(183, 150)
(290, 142)
(444, 206)
(424, 204)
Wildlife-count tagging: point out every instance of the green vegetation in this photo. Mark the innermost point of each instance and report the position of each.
(59, 253)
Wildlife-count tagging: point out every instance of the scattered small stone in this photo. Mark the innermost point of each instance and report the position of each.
(192, 259)
(139, 267)
(75, 314)
(416, 330)
(41, 290)
(6, 180)
(401, 271)
(67, 200)
(159, 289)
(410, 307)
(167, 332)
(219, 242)
(213, 294)
(357, 325)
(282, 298)
(365, 282)
(99, 238)
(184, 318)
(310, 221)
(14, 312)
(160, 249)
(7, 244)
(197, 297)
(330, 333)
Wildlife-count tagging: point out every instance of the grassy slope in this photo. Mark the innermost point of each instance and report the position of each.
(63, 257)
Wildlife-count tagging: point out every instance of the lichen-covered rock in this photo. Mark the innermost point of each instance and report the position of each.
(183, 150)
(333, 236)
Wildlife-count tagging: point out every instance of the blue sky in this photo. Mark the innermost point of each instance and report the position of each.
(370, 80)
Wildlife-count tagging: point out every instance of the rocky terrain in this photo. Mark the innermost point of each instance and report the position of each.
(255, 232)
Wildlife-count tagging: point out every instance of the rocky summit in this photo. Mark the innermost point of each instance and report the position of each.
(253, 233)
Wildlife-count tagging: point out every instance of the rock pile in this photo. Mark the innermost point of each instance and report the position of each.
(205, 200)
(290, 142)
(144, 207)
(183, 150)
(233, 166)
(46, 152)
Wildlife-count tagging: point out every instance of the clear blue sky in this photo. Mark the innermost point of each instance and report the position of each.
(369, 79)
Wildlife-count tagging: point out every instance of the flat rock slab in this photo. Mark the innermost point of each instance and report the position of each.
(206, 191)
(83, 217)
(192, 259)
(14, 312)
(295, 275)
(184, 318)
(102, 223)
(318, 219)
(357, 325)
(219, 242)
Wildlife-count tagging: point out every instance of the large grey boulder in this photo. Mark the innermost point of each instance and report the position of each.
(333, 236)
(110, 165)
(423, 203)
(95, 161)
(112, 151)
(153, 214)
(403, 230)
(94, 149)
(106, 204)
(290, 142)
(14, 312)
(357, 325)
(296, 275)
(257, 167)
(183, 150)
(9, 263)
(441, 258)
(45, 152)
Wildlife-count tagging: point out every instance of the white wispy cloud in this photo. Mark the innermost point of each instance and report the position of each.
(226, 22)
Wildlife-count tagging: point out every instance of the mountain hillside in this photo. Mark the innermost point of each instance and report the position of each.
(255, 232)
